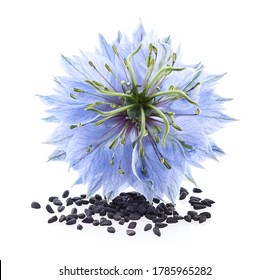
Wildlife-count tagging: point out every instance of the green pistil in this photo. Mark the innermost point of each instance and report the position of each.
(130, 69)
(165, 120)
(159, 75)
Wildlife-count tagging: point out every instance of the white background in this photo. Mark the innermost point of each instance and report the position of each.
(227, 36)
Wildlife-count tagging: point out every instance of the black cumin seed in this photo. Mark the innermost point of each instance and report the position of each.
(71, 222)
(111, 229)
(81, 216)
(74, 211)
(187, 218)
(83, 195)
(172, 220)
(160, 220)
(156, 200)
(52, 219)
(88, 220)
(202, 219)
(78, 202)
(65, 194)
(60, 208)
(98, 197)
(62, 218)
(51, 198)
(121, 222)
(132, 225)
(209, 200)
(79, 227)
(69, 201)
(182, 196)
(206, 203)
(147, 227)
(106, 223)
(131, 232)
(156, 231)
(85, 201)
(197, 190)
(117, 217)
(198, 206)
(134, 216)
(75, 198)
(57, 202)
(161, 225)
(35, 205)
(192, 213)
(49, 209)
(206, 214)
(96, 222)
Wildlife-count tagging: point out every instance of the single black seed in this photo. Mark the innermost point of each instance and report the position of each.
(49, 209)
(160, 220)
(65, 194)
(117, 217)
(175, 213)
(131, 232)
(156, 231)
(71, 222)
(81, 216)
(195, 198)
(134, 216)
(61, 208)
(110, 215)
(132, 225)
(172, 220)
(161, 225)
(96, 222)
(209, 200)
(206, 214)
(206, 203)
(88, 212)
(195, 218)
(51, 198)
(79, 227)
(35, 205)
(192, 213)
(62, 218)
(75, 198)
(52, 219)
(202, 219)
(187, 218)
(147, 227)
(69, 201)
(198, 206)
(103, 212)
(156, 200)
(179, 217)
(183, 195)
(71, 216)
(106, 223)
(88, 220)
(197, 190)
(127, 219)
(85, 201)
(111, 229)
(183, 190)
(150, 216)
(78, 202)
(57, 202)
(83, 195)
(98, 197)
(92, 200)
(74, 211)
(121, 222)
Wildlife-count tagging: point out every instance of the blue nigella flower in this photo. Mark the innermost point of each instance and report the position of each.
(132, 114)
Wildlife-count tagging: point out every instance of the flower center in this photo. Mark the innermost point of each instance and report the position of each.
(138, 102)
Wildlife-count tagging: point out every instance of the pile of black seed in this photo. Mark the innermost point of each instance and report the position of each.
(126, 208)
